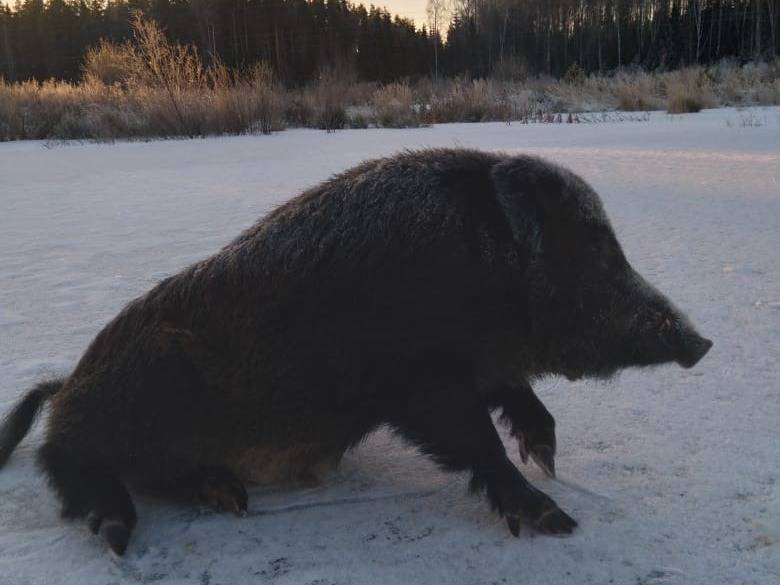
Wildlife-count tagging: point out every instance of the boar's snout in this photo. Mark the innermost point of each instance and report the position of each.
(694, 347)
(686, 346)
(665, 334)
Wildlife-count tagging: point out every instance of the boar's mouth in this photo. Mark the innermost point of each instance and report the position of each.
(681, 345)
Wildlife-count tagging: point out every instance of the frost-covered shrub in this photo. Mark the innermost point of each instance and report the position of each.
(394, 106)
(688, 90)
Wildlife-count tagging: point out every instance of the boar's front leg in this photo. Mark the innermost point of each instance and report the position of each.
(529, 422)
(442, 413)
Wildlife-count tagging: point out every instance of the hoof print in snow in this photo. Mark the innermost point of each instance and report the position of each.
(276, 568)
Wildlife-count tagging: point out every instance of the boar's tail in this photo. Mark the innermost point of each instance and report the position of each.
(17, 423)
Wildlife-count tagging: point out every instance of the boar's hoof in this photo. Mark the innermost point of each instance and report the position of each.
(114, 531)
(514, 525)
(223, 492)
(555, 521)
(117, 535)
(547, 519)
(543, 455)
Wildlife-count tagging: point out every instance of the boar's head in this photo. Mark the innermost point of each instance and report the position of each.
(590, 312)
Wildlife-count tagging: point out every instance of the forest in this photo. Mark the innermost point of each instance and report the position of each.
(548, 36)
(299, 39)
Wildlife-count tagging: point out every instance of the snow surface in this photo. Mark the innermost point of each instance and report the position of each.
(673, 474)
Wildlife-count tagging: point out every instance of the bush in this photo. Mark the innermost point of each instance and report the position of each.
(684, 103)
(326, 102)
(109, 63)
(593, 93)
(240, 104)
(11, 123)
(638, 92)
(460, 100)
(170, 77)
(687, 91)
(394, 106)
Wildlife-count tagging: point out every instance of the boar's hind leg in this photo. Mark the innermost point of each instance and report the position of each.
(89, 488)
(443, 414)
(529, 422)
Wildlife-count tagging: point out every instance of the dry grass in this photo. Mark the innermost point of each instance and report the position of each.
(146, 88)
(463, 100)
(394, 106)
(747, 120)
(639, 92)
(107, 63)
(593, 93)
(688, 90)
(752, 84)
(149, 87)
(327, 101)
(335, 100)
(239, 104)
(32, 110)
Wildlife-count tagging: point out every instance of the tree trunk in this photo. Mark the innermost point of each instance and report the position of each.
(549, 41)
(235, 38)
(698, 23)
(641, 27)
(619, 48)
(9, 56)
(757, 13)
(436, 56)
(502, 38)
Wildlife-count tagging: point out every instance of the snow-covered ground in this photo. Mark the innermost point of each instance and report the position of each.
(674, 475)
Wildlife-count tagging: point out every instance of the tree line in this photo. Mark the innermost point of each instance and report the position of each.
(301, 39)
(548, 36)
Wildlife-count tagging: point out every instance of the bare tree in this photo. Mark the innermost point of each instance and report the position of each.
(505, 6)
(9, 55)
(438, 19)
(697, 11)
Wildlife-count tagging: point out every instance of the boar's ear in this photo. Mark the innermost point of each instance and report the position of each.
(525, 187)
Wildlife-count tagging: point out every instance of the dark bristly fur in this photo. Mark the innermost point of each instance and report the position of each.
(420, 291)
(17, 423)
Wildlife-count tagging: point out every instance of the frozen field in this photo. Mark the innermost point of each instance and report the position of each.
(674, 475)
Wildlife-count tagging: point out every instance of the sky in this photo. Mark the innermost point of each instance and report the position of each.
(414, 9)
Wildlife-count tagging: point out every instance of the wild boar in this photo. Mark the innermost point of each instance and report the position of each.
(420, 291)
